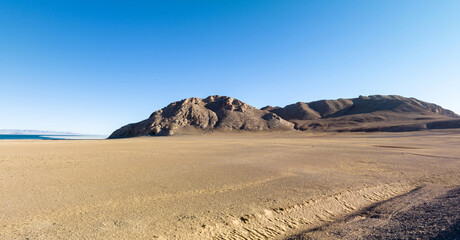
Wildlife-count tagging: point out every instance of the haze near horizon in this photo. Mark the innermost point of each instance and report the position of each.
(91, 67)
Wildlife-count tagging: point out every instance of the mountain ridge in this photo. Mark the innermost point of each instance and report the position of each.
(212, 113)
(365, 113)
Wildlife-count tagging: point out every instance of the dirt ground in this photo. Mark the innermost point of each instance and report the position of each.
(233, 186)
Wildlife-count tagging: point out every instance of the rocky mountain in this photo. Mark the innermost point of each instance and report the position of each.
(371, 113)
(215, 113)
(209, 114)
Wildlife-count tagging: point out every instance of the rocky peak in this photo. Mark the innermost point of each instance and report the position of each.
(375, 112)
(212, 113)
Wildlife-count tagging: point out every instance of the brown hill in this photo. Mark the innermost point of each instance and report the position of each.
(372, 113)
(196, 114)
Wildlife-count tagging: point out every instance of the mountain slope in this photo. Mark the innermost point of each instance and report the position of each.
(196, 114)
(372, 113)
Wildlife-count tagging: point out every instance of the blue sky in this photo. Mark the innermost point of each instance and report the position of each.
(93, 66)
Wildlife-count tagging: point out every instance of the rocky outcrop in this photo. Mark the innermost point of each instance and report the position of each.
(362, 105)
(372, 113)
(209, 114)
(219, 113)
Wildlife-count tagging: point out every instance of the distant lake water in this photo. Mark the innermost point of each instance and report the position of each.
(49, 137)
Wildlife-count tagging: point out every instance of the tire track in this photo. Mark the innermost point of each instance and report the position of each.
(276, 223)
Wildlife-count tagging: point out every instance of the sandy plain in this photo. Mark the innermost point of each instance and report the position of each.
(221, 186)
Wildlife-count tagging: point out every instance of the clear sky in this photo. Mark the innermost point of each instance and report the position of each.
(93, 66)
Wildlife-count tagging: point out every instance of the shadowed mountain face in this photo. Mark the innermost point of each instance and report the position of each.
(196, 114)
(373, 113)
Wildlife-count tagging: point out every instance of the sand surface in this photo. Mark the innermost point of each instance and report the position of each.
(427, 212)
(234, 186)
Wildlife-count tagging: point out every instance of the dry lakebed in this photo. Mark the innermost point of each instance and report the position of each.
(267, 185)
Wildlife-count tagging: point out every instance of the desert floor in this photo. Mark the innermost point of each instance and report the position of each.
(232, 186)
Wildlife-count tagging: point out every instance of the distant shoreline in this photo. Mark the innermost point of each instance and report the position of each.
(49, 137)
